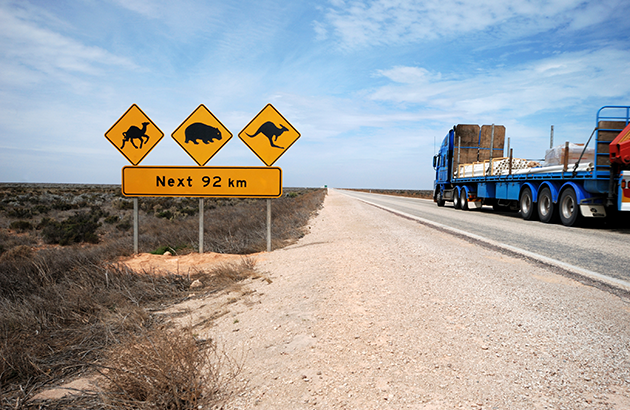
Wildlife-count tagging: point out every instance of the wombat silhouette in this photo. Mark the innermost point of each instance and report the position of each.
(134, 132)
(271, 131)
(199, 131)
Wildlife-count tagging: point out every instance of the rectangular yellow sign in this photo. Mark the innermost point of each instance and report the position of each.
(235, 182)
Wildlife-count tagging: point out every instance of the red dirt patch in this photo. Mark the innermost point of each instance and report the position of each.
(177, 264)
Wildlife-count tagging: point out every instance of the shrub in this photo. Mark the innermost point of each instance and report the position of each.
(165, 214)
(63, 206)
(164, 369)
(112, 219)
(16, 253)
(123, 203)
(173, 250)
(22, 213)
(80, 227)
(41, 209)
(21, 226)
(124, 226)
(189, 211)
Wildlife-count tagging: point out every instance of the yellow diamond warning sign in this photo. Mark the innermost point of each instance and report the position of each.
(269, 135)
(134, 134)
(201, 135)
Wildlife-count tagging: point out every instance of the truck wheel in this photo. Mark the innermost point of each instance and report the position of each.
(457, 204)
(547, 211)
(569, 209)
(463, 200)
(440, 198)
(526, 205)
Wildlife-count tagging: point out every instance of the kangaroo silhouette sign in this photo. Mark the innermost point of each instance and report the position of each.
(271, 131)
(201, 135)
(134, 134)
(269, 135)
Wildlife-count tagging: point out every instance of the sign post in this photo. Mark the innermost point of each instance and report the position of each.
(200, 225)
(201, 135)
(135, 225)
(134, 135)
(269, 135)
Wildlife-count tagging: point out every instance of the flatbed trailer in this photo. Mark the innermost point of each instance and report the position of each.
(566, 192)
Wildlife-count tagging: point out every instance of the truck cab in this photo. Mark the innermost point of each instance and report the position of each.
(442, 163)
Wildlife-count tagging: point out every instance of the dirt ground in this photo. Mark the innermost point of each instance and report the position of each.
(373, 311)
(177, 264)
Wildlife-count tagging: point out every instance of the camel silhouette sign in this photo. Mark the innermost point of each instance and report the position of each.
(134, 134)
(269, 135)
(201, 135)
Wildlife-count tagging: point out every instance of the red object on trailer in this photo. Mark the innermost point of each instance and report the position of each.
(620, 148)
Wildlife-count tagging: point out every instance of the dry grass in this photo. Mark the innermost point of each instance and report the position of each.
(60, 309)
(226, 274)
(167, 369)
(63, 307)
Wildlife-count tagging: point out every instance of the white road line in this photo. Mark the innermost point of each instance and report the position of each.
(617, 283)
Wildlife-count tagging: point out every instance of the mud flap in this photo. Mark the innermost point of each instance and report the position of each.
(476, 204)
(593, 211)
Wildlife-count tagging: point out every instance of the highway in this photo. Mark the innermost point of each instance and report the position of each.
(598, 248)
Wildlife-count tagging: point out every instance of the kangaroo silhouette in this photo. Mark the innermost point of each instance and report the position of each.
(270, 131)
(134, 132)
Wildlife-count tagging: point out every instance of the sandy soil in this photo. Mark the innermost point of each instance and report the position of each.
(176, 264)
(373, 311)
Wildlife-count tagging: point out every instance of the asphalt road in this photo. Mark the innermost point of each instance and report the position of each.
(597, 247)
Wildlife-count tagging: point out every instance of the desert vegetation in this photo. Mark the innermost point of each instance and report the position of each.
(413, 193)
(66, 303)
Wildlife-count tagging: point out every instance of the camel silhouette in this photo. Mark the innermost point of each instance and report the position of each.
(134, 132)
(271, 131)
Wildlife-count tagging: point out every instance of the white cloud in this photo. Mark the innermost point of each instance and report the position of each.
(29, 49)
(362, 23)
(147, 8)
(559, 81)
(410, 75)
(320, 30)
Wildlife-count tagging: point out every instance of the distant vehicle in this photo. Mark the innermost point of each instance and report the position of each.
(574, 181)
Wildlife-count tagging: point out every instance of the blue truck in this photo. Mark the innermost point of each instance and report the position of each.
(590, 180)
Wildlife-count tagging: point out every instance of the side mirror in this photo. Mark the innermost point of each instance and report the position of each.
(435, 158)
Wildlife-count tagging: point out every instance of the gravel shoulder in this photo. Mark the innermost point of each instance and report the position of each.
(373, 311)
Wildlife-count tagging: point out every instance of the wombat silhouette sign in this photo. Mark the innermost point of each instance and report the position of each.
(201, 135)
(269, 135)
(134, 135)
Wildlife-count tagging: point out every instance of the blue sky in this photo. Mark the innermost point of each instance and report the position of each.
(372, 86)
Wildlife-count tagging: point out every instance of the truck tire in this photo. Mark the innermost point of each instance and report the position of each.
(457, 204)
(463, 200)
(526, 204)
(440, 198)
(569, 209)
(547, 210)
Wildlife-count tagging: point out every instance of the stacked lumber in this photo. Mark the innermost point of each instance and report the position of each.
(500, 166)
(472, 145)
(485, 139)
